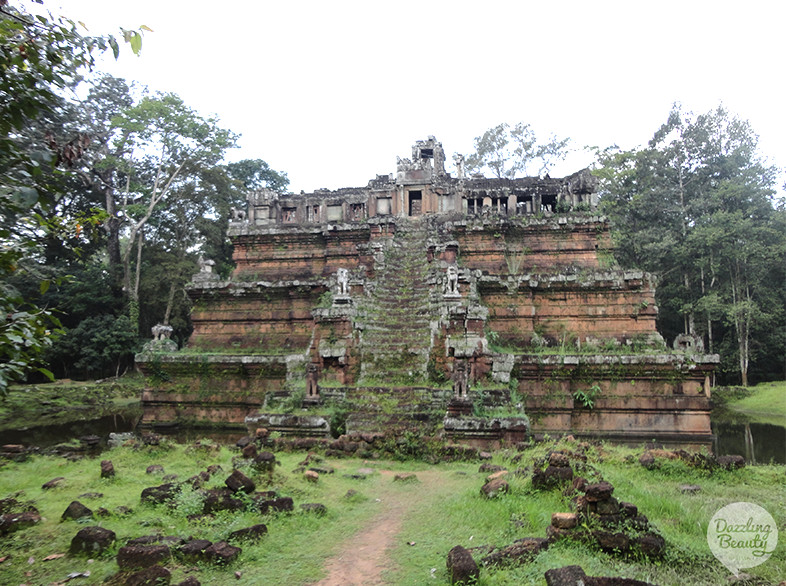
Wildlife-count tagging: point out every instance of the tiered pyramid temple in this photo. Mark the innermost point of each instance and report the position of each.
(460, 306)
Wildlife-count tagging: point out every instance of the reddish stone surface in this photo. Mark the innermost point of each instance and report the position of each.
(462, 568)
(222, 553)
(92, 541)
(141, 556)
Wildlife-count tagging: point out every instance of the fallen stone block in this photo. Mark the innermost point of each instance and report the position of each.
(253, 533)
(564, 520)
(462, 568)
(107, 469)
(12, 522)
(520, 551)
(55, 482)
(551, 477)
(76, 510)
(92, 541)
(238, 482)
(317, 509)
(194, 549)
(152, 576)
(731, 462)
(131, 557)
(566, 576)
(159, 494)
(222, 553)
(494, 488)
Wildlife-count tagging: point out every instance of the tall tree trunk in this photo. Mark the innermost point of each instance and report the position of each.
(112, 229)
(689, 321)
(741, 314)
(170, 302)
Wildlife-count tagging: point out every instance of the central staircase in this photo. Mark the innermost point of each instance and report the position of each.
(397, 314)
(396, 318)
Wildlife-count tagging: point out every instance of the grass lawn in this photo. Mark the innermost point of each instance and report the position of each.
(766, 404)
(451, 513)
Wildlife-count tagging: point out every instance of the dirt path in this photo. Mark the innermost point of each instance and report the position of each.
(364, 556)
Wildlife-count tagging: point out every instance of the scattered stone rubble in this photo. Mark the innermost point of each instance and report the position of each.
(141, 560)
(599, 520)
(575, 576)
(654, 458)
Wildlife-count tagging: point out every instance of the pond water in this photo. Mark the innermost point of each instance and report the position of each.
(760, 443)
(45, 436)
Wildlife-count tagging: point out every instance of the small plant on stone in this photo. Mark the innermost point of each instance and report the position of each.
(586, 398)
(325, 300)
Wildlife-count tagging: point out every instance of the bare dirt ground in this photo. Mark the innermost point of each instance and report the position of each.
(364, 556)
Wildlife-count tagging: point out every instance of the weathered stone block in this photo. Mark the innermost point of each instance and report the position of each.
(600, 491)
(253, 533)
(615, 542)
(520, 551)
(107, 469)
(566, 576)
(551, 477)
(11, 522)
(152, 576)
(239, 482)
(559, 459)
(731, 462)
(76, 510)
(92, 541)
(500, 474)
(194, 549)
(159, 494)
(564, 520)
(55, 482)
(462, 568)
(494, 488)
(141, 556)
(222, 553)
(651, 544)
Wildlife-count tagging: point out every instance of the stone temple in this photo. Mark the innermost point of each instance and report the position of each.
(457, 305)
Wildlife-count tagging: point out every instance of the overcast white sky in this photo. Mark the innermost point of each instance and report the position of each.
(331, 92)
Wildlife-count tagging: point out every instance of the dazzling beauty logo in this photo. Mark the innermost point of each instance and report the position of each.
(742, 535)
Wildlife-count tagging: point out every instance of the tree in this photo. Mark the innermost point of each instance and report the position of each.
(257, 174)
(696, 208)
(165, 144)
(39, 56)
(509, 152)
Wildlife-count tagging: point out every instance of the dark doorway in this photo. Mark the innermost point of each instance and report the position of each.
(415, 203)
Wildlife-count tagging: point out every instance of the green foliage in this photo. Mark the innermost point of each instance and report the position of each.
(40, 56)
(257, 174)
(293, 402)
(325, 300)
(696, 208)
(586, 397)
(509, 151)
(337, 417)
(99, 345)
(435, 375)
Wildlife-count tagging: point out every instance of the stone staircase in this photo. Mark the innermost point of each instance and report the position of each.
(397, 313)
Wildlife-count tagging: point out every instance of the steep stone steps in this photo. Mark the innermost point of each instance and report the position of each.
(397, 313)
